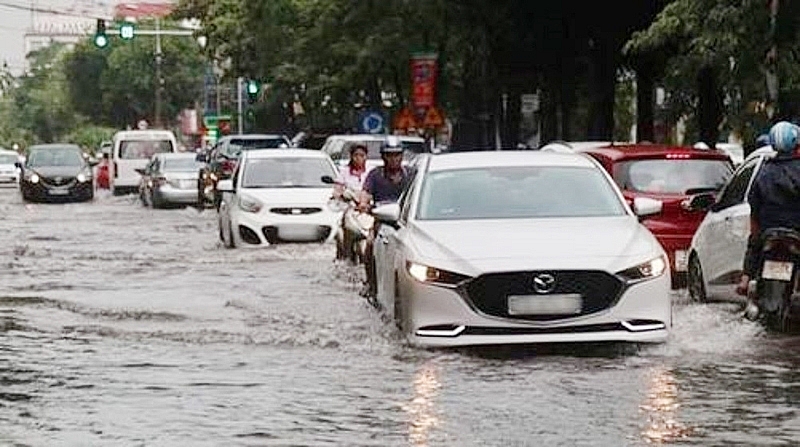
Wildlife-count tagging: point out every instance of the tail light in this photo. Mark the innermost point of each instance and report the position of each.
(116, 170)
(228, 166)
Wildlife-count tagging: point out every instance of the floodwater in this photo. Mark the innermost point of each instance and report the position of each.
(122, 325)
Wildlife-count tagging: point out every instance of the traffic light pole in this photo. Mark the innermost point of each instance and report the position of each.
(159, 81)
(239, 85)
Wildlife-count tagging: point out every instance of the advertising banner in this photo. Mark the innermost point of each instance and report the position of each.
(423, 79)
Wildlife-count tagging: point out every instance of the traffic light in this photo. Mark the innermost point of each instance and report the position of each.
(252, 90)
(127, 31)
(100, 37)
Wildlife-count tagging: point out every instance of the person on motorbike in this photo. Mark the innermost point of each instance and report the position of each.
(774, 198)
(353, 175)
(384, 184)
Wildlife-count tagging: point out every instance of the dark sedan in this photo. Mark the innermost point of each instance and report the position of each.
(56, 172)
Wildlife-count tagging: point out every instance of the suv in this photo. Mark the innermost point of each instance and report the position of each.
(221, 159)
(671, 175)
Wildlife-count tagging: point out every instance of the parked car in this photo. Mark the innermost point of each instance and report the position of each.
(671, 175)
(56, 172)
(716, 254)
(480, 251)
(169, 179)
(9, 171)
(734, 151)
(220, 161)
(278, 195)
(338, 148)
(132, 150)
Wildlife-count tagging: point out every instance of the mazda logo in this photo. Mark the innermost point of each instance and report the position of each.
(544, 283)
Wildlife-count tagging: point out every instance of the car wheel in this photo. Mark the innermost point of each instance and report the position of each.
(697, 289)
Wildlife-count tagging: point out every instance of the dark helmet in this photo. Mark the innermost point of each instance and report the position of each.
(392, 145)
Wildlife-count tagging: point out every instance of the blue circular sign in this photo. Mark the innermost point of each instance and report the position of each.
(372, 122)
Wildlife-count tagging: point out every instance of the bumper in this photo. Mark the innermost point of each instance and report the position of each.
(265, 228)
(677, 249)
(77, 191)
(170, 194)
(441, 317)
(9, 178)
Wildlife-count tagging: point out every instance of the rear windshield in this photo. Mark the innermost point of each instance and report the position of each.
(181, 164)
(8, 159)
(236, 146)
(670, 176)
(374, 148)
(139, 149)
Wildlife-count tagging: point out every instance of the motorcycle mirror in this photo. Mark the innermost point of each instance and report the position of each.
(699, 202)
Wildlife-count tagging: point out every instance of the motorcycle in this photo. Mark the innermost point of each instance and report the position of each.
(354, 228)
(775, 289)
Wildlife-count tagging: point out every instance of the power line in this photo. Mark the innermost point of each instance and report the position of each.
(46, 11)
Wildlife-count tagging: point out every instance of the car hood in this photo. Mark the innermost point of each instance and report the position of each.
(290, 196)
(474, 247)
(57, 171)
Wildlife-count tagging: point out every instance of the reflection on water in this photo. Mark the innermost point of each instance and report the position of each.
(423, 417)
(661, 406)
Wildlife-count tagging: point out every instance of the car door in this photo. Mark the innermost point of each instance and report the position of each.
(725, 238)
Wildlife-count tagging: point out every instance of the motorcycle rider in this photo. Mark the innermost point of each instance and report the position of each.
(774, 199)
(384, 184)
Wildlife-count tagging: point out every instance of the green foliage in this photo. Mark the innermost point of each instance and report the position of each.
(89, 136)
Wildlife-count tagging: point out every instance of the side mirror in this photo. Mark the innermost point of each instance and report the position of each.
(645, 206)
(328, 180)
(388, 214)
(18, 164)
(225, 186)
(201, 157)
(140, 171)
(699, 202)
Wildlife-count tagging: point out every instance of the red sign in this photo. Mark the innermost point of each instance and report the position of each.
(405, 120)
(423, 80)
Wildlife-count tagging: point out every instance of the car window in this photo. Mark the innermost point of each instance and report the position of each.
(734, 192)
(671, 176)
(407, 198)
(8, 159)
(517, 192)
(286, 172)
(181, 165)
(335, 149)
(235, 146)
(139, 149)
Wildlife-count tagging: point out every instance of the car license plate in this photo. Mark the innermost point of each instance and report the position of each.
(680, 261)
(780, 271)
(557, 304)
(58, 192)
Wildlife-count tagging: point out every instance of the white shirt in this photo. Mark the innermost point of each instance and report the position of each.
(350, 179)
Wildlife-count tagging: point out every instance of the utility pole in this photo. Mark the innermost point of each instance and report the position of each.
(159, 81)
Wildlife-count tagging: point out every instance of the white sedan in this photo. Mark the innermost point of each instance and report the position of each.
(520, 247)
(716, 255)
(277, 195)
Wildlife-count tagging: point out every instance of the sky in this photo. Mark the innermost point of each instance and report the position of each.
(14, 21)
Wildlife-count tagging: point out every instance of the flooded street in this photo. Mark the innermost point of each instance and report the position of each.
(122, 325)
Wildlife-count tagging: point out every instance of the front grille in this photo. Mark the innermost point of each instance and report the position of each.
(295, 211)
(489, 293)
(58, 181)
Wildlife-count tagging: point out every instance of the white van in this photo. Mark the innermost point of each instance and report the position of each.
(133, 149)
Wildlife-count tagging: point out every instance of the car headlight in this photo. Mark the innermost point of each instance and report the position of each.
(83, 177)
(650, 269)
(250, 204)
(432, 275)
(33, 178)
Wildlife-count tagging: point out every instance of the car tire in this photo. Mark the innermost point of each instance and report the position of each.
(695, 282)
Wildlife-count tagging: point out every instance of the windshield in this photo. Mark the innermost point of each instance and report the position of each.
(517, 192)
(286, 172)
(139, 149)
(181, 164)
(668, 176)
(236, 146)
(416, 147)
(8, 159)
(54, 157)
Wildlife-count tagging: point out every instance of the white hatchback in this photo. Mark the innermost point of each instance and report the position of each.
(716, 255)
(520, 247)
(278, 195)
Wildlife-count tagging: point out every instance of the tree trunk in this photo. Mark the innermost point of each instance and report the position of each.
(709, 110)
(645, 103)
(603, 83)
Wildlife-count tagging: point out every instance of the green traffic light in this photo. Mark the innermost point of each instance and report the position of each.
(101, 40)
(252, 87)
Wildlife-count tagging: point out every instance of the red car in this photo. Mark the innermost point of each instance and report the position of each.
(669, 174)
